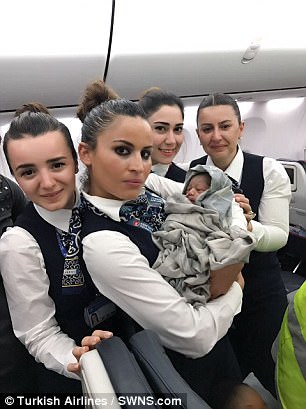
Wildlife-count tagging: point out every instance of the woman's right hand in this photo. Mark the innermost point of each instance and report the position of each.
(89, 342)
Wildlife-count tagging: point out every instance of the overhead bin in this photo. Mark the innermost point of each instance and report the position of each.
(54, 81)
(49, 52)
(195, 47)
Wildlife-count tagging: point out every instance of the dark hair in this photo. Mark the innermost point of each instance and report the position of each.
(206, 175)
(154, 98)
(35, 124)
(99, 111)
(219, 99)
(33, 107)
(95, 94)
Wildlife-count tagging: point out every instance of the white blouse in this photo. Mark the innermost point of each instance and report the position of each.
(123, 274)
(27, 284)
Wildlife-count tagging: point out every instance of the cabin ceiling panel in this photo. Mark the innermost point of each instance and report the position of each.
(49, 52)
(56, 81)
(189, 47)
(202, 73)
(196, 47)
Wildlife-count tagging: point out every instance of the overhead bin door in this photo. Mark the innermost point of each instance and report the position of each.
(51, 50)
(195, 47)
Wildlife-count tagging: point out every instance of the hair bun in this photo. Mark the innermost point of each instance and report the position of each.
(95, 94)
(31, 107)
(150, 90)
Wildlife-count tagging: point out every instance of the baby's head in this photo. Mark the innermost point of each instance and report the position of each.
(197, 185)
(244, 397)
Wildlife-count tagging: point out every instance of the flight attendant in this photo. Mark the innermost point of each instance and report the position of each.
(265, 201)
(46, 285)
(119, 216)
(165, 113)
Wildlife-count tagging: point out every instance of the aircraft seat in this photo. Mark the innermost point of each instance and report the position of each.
(95, 381)
(296, 171)
(112, 376)
(160, 372)
(119, 375)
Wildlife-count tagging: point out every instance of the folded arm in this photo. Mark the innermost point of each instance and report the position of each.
(123, 274)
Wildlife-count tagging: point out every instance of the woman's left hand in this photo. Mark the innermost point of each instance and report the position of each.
(247, 209)
(88, 343)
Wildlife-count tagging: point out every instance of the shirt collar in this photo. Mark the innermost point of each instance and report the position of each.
(110, 207)
(234, 170)
(58, 218)
(160, 169)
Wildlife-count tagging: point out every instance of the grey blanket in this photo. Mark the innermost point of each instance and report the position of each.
(194, 240)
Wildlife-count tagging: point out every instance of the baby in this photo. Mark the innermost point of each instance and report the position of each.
(200, 234)
(198, 184)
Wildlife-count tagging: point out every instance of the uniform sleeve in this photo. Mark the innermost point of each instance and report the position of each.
(272, 228)
(238, 218)
(32, 309)
(162, 186)
(123, 274)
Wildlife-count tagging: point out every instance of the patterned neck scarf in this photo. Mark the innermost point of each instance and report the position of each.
(73, 279)
(146, 212)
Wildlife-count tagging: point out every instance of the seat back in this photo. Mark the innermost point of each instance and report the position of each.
(161, 374)
(96, 383)
(296, 171)
(127, 379)
(138, 375)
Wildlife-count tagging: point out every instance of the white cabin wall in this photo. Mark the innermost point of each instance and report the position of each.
(275, 128)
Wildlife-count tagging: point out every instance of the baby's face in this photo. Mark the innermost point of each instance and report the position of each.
(197, 185)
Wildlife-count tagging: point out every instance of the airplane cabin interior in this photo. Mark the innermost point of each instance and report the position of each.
(254, 51)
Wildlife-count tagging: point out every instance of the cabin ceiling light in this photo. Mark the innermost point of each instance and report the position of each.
(245, 107)
(251, 52)
(281, 105)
